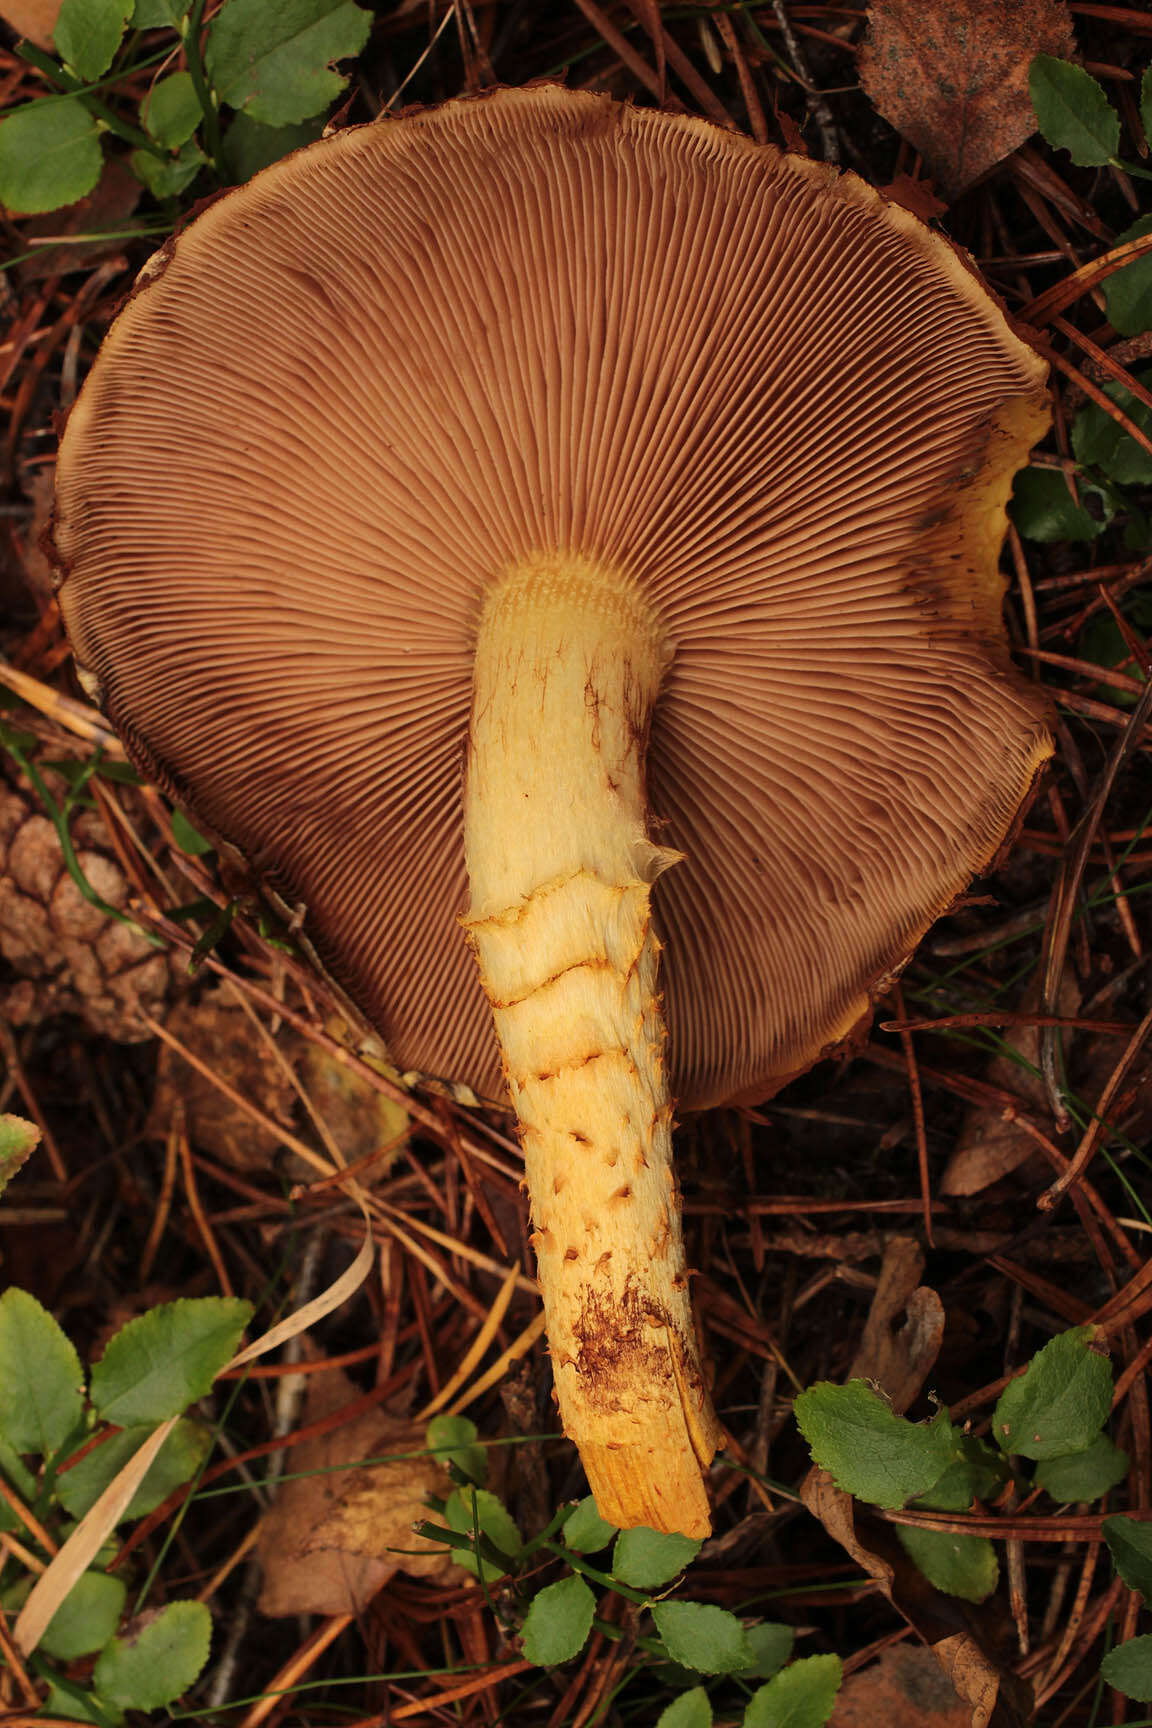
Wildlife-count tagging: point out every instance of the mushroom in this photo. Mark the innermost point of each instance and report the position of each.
(568, 521)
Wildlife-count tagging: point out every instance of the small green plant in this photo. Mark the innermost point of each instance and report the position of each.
(1051, 1417)
(62, 1444)
(686, 1639)
(1074, 114)
(252, 85)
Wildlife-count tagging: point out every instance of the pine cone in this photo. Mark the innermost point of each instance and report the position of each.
(70, 957)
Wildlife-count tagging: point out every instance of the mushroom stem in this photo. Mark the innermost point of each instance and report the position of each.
(568, 663)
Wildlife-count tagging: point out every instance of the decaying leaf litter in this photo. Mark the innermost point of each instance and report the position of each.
(128, 1176)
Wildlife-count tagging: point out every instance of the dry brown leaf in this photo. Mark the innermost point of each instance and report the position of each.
(327, 1545)
(899, 1357)
(952, 76)
(34, 19)
(906, 1687)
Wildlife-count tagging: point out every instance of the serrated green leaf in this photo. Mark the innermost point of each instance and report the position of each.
(801, 1696)
(1130, 1543)
(168, 176)
(1073, 111)
(1084, 1475)
(702, 1637)
(453, 1439)
(495, 1522)
(771, 1646)
(975, 1473)
(87, 34)
(1129, 1668)
(963, 1566)
(50, 155)
(159, 1364)
(171, 110)
(691, 1710)
(557, 1625)
(868, 1450)
(177, 1462)
(275, 65)
(1128, 292)
(1060, 1402)
(18, 1140)
(159, 14)
(647, 1558)
(71, 1703)
(157, 1659)
(585, 1532)
(1146, 103)
(1099, 442)
(87, 1617)
(41, 1380)
(21, 1479)
(1043, 508)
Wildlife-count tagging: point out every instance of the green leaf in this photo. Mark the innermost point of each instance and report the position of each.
(585, 1531)
(177, 1462)
(802, 1696)
(699, 1636)
(159, 1364)
(690, 1710)
(249, 147)
(645, 1558)
(159, 14)
(71, 1703)
(87, 34)
(1043, 508)
(1130, 1542)
(870, 1452)
(21, 1479)
(18, 1140)
(1128, 292)
(1060, 1402)
(1084, 1475)
(87, 1617)
(1129, 1668)
(959, 1565)
(167, 177)
(1146, 103)
(1098, 442)
(274, 63)
(976, 1473)
(171, 111)
(187, 838)
(49, 155)
(557, 1625)
(1073, 112)
(495, 1522)
(453, 1439)
(41, 1380)
(771, 1646)
(157, 1659)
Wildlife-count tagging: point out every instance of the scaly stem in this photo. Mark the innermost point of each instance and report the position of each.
(569, 660)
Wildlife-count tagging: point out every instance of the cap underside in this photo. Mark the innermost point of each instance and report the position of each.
(401, 361)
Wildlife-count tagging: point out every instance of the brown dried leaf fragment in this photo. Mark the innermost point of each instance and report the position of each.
(904, 1329)
(952, 76)
(905, 1688)
(333, 1539)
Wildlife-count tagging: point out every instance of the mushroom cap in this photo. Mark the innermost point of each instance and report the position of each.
(364, 385)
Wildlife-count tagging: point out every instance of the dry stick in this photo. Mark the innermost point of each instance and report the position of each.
(1064, 896)
(668, 47)
(27, 1517)
(917, 1097)
(627, 55)
(752, 104)
(12, 1660)
(1045, 306)
(817, 106)
(1024, 583)
(478, 1348)
(1099, 1123)
(195, 1206)
(164, 1204)
(16, 1069)
(1104, 360)
(296, 1666)
(1093, 391)
(478, 1683)
(1000, 1017)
